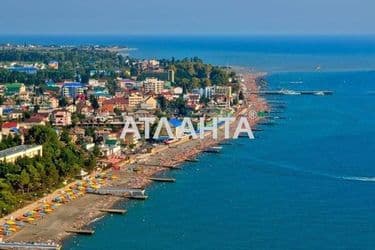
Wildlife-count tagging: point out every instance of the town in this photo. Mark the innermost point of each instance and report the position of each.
(63, 109)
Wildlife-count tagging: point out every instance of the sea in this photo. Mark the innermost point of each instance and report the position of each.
(306, 182)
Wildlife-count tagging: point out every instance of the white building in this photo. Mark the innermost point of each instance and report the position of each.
(10, 155)
(153, 85)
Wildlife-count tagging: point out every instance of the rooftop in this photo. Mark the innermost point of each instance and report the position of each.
(16, 149)
(73, 85)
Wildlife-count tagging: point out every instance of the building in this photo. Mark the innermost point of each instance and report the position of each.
(9, 128)
(119, 103)
(53, 65)
(149, 103)
(12, 89)
(73, 89)
(153, 85)
(178, 91)
(171, 75)
(10, 155)
(61, 118)
(97, 83)
(135, 100)
(222, 95)
(193, 101)
(31, 70)
(53, 102)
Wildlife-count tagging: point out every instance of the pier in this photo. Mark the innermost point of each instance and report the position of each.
(212, 151)
(192, 160)
(162, 166)
(291, 92)
(24, 245)
(131, 193)
(113, 211)
(161, 179)
(138, 197)
(81, 231)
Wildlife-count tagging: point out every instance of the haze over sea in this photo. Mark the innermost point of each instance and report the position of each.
(306, 183)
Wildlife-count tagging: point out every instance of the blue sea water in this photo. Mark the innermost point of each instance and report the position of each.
(306, 183)
(267, 53)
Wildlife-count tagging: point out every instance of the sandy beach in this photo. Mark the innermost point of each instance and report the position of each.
(80, 212)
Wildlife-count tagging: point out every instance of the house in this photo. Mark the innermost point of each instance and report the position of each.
(61, 118)
(149, 103)
(12, 89)
(10, 155)
(9, 128)
(53, 102)
(111, 147)
(168, 95)
(53, 65)
(73, 89)
(119, 103)
(71, 108)
(77, 133)
(34, 120)
(97, 83)
(222, 95)
(178, 91)
(15, 115)
(193, 101)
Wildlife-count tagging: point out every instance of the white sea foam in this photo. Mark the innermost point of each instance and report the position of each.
(358, 178)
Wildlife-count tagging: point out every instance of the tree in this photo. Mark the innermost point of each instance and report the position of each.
(63, 102)
(162, 102)
(94, 102)
(24, 180)
(65, 136)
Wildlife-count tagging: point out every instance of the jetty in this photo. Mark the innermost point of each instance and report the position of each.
(81, 231)
(131, 193)
(292, 92)
(214, 150)
(191, 160)
(162, 179)
(26, 245)
(113, 211)
(160, 165)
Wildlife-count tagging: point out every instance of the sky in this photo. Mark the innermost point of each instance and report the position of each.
(244, 17)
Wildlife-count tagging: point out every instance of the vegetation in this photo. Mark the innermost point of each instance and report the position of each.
(192, 73)
(30, 178)
(75, 63)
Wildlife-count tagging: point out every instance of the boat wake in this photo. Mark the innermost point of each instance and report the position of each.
(295, 170)
(359, 178)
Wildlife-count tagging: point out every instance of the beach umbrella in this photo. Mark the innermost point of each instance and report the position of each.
(11, 222)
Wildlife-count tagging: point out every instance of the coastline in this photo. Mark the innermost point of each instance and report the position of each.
(82, 211)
